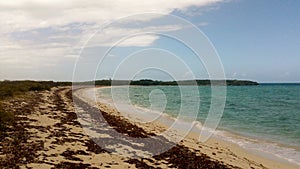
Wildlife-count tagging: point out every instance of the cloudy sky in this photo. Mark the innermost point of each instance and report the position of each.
(44, 40)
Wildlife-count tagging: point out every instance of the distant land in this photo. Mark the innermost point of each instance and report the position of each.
(9, 88)
(149, 82)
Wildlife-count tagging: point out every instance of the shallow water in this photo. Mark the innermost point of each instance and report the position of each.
(268, 116)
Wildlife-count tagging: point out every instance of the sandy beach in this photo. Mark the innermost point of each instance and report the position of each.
(48, 134)
(217, 149)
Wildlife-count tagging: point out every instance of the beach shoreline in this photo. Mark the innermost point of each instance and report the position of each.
(255, 157)
(48, 133)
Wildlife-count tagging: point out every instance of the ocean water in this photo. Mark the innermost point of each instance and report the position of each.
(264, 117)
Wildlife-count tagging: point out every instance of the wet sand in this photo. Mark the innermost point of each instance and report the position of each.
(47, 134)
(216, 149)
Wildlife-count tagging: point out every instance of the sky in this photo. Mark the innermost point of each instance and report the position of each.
(72, 40)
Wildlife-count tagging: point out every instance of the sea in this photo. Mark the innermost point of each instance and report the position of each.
(264, 118)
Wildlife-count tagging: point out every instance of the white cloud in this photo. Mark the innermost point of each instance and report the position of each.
(111, 35)
(36, 32)
(20, 15)
(141, 41)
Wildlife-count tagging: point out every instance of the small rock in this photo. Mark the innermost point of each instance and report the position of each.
(24, 103)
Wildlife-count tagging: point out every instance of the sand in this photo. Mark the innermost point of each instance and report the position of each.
(47, 134)
(52, 123)
(216, 148)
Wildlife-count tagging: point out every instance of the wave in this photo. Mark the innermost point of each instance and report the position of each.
(291, 154)
(262, 147)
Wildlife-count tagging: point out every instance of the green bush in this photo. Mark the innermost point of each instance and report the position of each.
(12, 88)
(6, 118)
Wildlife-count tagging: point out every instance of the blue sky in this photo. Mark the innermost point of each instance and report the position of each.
(256, 39)
(259, 39)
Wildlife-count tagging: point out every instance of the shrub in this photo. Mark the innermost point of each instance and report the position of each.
(6, 118)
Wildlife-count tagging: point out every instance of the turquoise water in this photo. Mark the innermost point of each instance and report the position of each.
(264, 112)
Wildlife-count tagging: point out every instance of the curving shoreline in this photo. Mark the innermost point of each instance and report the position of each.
(47, 134)
(231, 153)
(260, 145)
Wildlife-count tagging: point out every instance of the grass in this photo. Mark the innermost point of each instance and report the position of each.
(14, 88)
(6, 118)
(11, 89)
